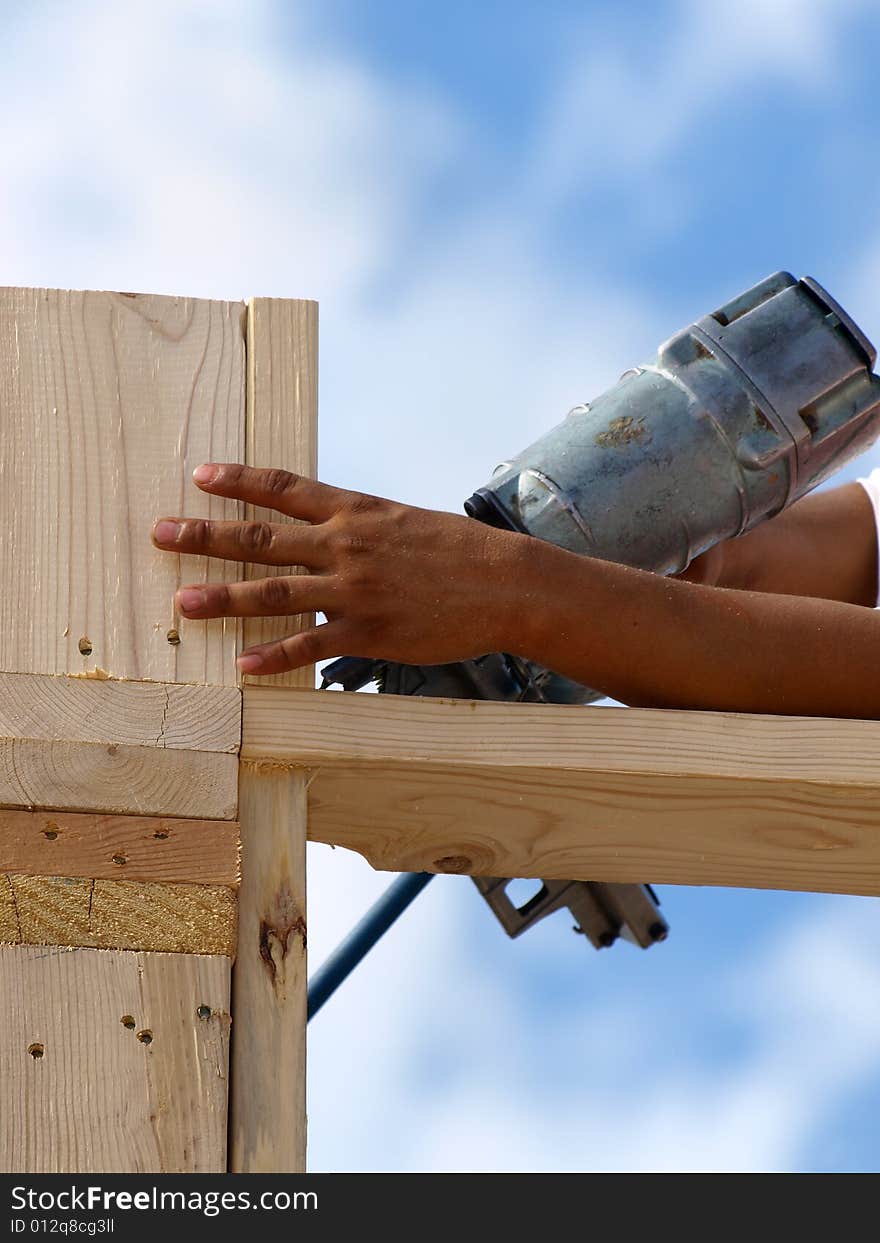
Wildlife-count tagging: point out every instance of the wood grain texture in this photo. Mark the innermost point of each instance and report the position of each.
(316, 727)
(10, 928)
(282, 430)
(94, 776)
(62, 843)
(143, 714)
(114, 914)
(268, 1130)
(268, 1125)
(580, 793)
(103, 1096)
(109, 401)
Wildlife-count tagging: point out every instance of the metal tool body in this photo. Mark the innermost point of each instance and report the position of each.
(739, 415)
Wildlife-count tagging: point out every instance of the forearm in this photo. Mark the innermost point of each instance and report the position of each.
(824, 546)
(657, 642)
(404, 584)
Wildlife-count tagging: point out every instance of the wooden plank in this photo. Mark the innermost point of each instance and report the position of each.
(317, 727)
(580, 793)
(108, 402)
(112, 1062)
(114, 914)
(268, 1111)
(156, 848)
(92, 776)
(282, 430)
(143, 714)
(268, 1131)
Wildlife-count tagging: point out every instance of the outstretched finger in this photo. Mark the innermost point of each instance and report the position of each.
(294, 495)
(264, 597)
(334, 638)
(263, 543)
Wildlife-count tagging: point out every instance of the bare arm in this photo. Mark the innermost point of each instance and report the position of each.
(407, 584)
(824, 545)
(666, 643)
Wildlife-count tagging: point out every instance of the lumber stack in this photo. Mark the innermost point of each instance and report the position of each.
(122, 880)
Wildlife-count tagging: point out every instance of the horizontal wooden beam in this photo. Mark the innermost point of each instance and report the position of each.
(135, 714)
(114, 914)
(609, 794)
(152, 848)
(133, 748)
(109, 777)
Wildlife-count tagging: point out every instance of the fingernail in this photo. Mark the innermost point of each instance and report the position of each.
(166, 532)
(205, 474)
(250, 662)
(190, 600)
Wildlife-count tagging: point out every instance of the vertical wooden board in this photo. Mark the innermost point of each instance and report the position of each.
(268, 1102)
(107, 403)
(282, 430)
(112, 1061)
(268, 1127)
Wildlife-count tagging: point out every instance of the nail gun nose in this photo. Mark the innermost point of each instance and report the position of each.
(483, 506)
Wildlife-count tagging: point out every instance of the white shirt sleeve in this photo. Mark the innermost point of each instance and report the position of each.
(871, 484)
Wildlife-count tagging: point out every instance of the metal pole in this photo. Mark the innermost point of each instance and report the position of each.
(363, 937)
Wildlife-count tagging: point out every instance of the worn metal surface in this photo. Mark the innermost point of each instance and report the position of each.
(740, 414)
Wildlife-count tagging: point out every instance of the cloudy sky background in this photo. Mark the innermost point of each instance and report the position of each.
(500, 206)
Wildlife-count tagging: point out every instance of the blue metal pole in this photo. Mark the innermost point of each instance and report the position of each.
(363, 937)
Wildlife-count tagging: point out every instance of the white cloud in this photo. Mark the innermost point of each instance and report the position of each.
(622, 105)
(499, 1102)
(176, 148)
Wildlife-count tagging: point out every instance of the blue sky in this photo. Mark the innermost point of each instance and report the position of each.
(500, 207)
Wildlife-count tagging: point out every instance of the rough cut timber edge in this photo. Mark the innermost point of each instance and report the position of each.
(117, 914)
(59, 708)
(109, 777)
(133, 748)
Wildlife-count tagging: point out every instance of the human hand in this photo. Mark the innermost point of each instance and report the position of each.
(394, 582)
